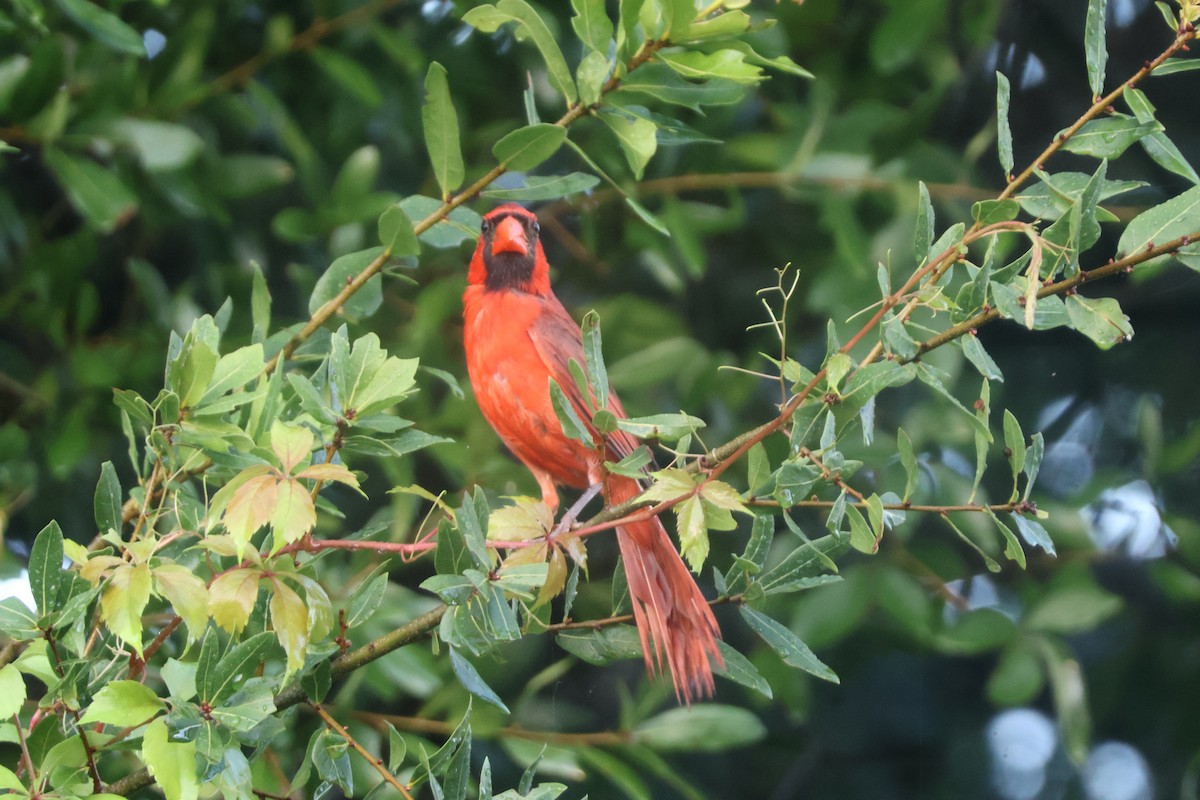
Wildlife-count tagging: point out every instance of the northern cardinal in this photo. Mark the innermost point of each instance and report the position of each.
(517, 337)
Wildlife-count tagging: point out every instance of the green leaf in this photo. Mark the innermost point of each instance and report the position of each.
(525, 148)
(924, 234)
(248, 706)
(123, 704)
(173, 764)
(636, 137)
(603, 646)
(665, 427)
(362, 303)
(1174, 65)
(661, 83)
(218, 678)
(488, 19)
(594, 356)
(592, 75)
(707, 728)
(238, 175)
(1004, 142)
(1100, 319)
(396, 233)
(441, 131)
(1108, 137)
(160, 146)
(1033, 461)
(1177, 217)
(1073, 608)
(568, 417)
(728, 65)
(1094, 45)
(727, 24)
(469, 677)
(739, 669)
(1014, 446)
(233, 371)
(1033, 533)
(592, 25)
(348, 73)
(12, 691)
(551, 187)
(104, 26)
(1012, 547)
(46, 568)
(793, 651)
(973, 350)
(988, 212)
(1157, 145)
(462, 224)
(908, 460)
(1055, 195)
(99, 196)
(17, 620)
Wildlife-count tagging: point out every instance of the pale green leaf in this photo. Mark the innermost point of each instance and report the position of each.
(124, 600)
(123, 704)
(173, 764)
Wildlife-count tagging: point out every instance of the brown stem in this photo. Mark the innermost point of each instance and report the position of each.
(376, 763)
(1182, 37)
(439, 728)
(415, 630)
(56, 664)
(931, 509)
(1060, 287)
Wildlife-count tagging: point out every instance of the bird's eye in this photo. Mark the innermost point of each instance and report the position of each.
(486, 226)
(535, 227)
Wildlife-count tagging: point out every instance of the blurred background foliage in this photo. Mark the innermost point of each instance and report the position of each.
(136, 193)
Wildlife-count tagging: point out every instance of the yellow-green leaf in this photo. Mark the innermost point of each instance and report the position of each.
(294, 514)
(291, 443)
(123, 601)
(123, 704)
(250, 508)
(173, 764)
(693, 532)
(12, 691)
(526, 519)
(668, 484)
(330, 472)
(187, 594)
(289, 618)
(231, 598)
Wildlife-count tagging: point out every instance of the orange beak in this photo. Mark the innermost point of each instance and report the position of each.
(510, 237)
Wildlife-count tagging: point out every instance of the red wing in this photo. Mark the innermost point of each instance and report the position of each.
(557, 339)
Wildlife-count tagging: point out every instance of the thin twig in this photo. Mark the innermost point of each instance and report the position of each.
(375, 762)
(439, 728)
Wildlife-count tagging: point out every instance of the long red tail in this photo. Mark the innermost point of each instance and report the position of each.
(673, 619)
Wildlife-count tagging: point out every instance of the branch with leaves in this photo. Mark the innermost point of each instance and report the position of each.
(216, 594)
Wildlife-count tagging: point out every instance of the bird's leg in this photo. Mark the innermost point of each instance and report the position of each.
(549, 492)
(568, 519)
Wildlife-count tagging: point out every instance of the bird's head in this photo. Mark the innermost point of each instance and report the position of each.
(509, 253)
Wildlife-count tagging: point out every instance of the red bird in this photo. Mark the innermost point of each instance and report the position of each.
(517, 337)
